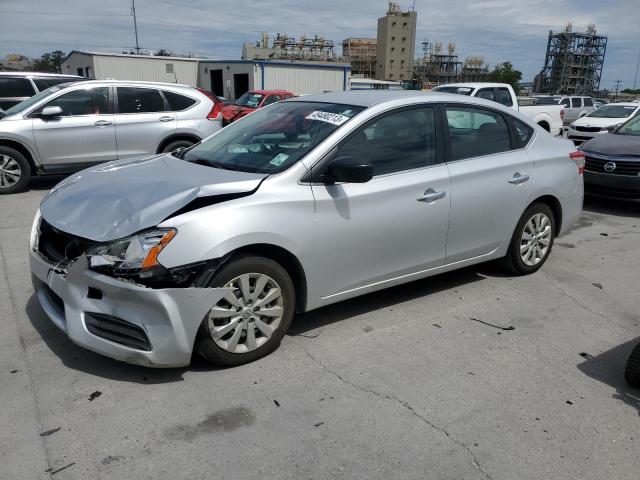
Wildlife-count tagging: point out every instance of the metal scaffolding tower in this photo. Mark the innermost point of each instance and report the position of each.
(573, 63)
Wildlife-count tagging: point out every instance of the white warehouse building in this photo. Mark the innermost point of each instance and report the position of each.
(225, 78)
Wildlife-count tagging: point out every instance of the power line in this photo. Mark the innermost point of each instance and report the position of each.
(135, 24)
(4, 12)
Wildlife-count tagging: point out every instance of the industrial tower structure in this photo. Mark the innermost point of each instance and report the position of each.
(573, 63)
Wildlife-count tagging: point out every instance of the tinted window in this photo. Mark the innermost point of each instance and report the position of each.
(15, 87)
(458, 90)
(89, 101)
(523, 131)
(250, 99)
(576, 103)
(271, 99)
(474, 132)
(632, 127)
(178, 102)
(588, 102)
(486, 93)
(566, 103)
(139, 100)
(545, 101)
(503, 96)
(398, 141)
(44, 83)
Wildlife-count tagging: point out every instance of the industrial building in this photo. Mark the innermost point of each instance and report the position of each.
(285, 47)
(396, 44)
(226, 78)
(573, 62)
(437, 66)
(361, 54)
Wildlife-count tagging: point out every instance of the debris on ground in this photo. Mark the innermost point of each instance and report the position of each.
(46, 433)
(110, 459)
(14, 371)
(306, 335)
(436, 325)
(318, 424)
(604, 234)
(53, 472)
(597, 285)
(94, 395)
(367, 329)
(569, 402)
(492, 325)
(277, 403)
(586, 355)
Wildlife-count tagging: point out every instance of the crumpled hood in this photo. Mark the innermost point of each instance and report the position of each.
(229, 112)
(120, 198)
(612, 144)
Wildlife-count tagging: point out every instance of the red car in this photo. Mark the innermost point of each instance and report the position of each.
(251, 101)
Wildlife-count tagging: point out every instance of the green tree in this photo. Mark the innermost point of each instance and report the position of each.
(505, 73)
(50, 62)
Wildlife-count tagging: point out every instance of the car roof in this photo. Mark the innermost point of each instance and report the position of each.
(130, 82)
(37, 74)
(362, 98)
(625, 104)
(266, 92)
(474, 85)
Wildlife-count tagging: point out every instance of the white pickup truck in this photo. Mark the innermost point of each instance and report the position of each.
(549, 117)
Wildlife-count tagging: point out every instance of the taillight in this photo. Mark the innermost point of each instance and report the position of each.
(578, 157)
(562, 113)
(217, 105)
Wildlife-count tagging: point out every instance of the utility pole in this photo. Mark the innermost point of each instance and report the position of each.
(618, 82)
(135, 24)
(637, 66)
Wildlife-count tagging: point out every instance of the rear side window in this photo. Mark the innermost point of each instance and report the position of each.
(588, 102)
(271, 99)
(504, 97)
(139, 100)
(475, 132)
(89, 101)
(486, 93)
(178, 102)
(523, 131)
(15, 87)
(576, 103)
(44, 83)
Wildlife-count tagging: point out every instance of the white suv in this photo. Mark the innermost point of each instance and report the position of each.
(71, 126)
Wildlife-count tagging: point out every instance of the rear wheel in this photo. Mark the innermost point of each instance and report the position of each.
(632, 372)
(249, 322)
(15, 171)
(177, 144)
(532, 240)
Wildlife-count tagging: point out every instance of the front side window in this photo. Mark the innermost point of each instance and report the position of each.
(271, 99)
(487, 94)
(274, 139)
(139, 100)
(632, 127)
(503, 96)
(398, 141)
(44, 83)
(576, 103)
(250, 99)
(566, 103)
(86, 101)
(475, 132)
(15, 87)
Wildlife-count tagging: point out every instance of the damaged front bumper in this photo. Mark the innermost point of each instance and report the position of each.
(119, 319)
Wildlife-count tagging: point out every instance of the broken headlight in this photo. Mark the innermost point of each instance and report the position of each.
(138, 252)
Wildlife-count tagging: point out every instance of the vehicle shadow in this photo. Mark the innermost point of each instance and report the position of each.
(612, 206)
(46, 182)
(389, 297)
(608, 368)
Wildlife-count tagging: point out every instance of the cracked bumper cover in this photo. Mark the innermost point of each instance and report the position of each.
(170, 317)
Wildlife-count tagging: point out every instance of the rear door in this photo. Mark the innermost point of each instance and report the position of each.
(83, 135)
(491, 177)
(142, 121)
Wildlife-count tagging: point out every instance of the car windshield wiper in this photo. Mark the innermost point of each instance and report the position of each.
(211, 163)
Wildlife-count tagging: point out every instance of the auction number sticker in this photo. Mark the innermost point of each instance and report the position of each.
(332, 118)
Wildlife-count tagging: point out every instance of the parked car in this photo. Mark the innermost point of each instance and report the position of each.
(299, 205)
(601, 121)
(71, 126)
(575, 107)
(250, 102)
(599, 102)
(18, 86)
(612, 162)
(632, 369)
(548, 117)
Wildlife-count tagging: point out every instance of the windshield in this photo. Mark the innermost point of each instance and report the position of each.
(632, 127)
(458, 90)
(250, 99)
(272, 139)
(20, 107)
(613, 111)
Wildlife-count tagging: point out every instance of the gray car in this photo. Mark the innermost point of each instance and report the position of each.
(299, 205)
(71, 126)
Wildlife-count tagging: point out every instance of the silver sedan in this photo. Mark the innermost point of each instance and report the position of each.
(299, 205)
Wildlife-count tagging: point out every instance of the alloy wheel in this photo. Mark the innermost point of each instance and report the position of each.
(536, 239)
(10, 171)
(246, 318)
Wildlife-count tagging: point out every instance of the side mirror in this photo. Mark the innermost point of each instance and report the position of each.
(51, 112)
(349, 170)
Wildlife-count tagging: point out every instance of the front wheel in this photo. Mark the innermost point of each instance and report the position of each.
(249, 322)
(532, 240)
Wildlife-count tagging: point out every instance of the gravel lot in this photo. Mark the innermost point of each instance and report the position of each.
(397, 384)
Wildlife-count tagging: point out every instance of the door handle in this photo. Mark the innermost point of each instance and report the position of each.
(517, 179)
(430, 195)
(165, 119)
(102, 123)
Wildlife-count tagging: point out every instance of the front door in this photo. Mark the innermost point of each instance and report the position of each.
(491, 179)
(216, 82)
(82, 135)
(240, 84)
(395, 224)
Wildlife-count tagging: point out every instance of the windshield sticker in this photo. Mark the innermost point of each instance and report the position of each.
(279, 159)
(332, 118)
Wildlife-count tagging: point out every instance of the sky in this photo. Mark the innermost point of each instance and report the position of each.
(498, 30)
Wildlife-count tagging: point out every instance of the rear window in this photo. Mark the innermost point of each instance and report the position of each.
(44, 83)
(139, 100)
(178, 102)
(459, 90)
(503, 96)
(546, 101)
(16, 87)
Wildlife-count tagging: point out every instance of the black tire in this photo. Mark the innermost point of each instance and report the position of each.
(632, 371)
(170, 147)
(207, 348)
(23, 168)
(513, 260)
